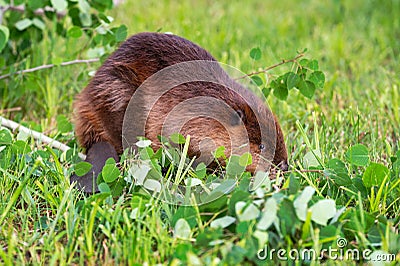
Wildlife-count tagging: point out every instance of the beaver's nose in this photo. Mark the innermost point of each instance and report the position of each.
(283, 165)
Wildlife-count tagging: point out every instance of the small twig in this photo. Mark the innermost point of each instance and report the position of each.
(9, 110)
(304, 171)
(37, 135)
(78, 61)
(310, 171)
(284, 61)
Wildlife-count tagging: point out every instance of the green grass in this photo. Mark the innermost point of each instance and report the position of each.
(357, 43)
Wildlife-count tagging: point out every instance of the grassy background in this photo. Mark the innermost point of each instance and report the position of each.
(357, 44)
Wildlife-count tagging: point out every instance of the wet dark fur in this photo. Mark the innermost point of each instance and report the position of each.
(100, 107)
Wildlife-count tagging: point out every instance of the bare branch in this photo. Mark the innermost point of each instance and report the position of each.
(37, 136)
(78, 61)
(9, 110)
(284, 61)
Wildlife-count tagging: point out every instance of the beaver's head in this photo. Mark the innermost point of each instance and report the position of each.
(213, 116)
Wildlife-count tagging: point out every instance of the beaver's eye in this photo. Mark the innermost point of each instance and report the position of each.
(261, 147)
(237, 118)
(240, 113)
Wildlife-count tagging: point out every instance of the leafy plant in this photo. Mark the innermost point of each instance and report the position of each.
(305, 76)
(26, 22)
(242, 220)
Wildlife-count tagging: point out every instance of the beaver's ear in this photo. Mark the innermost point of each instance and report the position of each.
(97, 156)
(237, 118)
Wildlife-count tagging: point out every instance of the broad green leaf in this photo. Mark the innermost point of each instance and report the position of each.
(255, 53)
(84, 14)
(281, 92)
(322, 211)
(110, 173)
(359, 185)
(318, 78)
(152, 185)
(85, 19)
(223, 222)
(220, 152)
(5, 136)
(374, 174)
(38, 24)
(21, 147)
(134, 213)
(294, 184)
(23, 135)
(177, 138)
(287, 217)
(63, 125)
(341, 178)
(182, 229)
(84, 6)
(209, 235)
(300, 203)
(329, 231)
(266, 92)
(312, 158)
(257, 80)
(104, 188)
(4, 35)
(304, 62)
(292, 80)
(358, 155)
(246, 159)
(234, 168)
(139, 172)
(226, 186)
(143, 143)
(307, 88)
(339, 172)
(59, 5)
(74, 32)
(121, 33)
(192, 182)
(313, 65)
(110, 161)
(336, 165)
(238, 195)
(188, 213)
(23, 24)
(82, 168)
(269, 214)
(246, 212)
(261, 180)
(201, 170)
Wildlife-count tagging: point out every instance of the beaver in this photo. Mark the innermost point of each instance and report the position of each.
(100, 110)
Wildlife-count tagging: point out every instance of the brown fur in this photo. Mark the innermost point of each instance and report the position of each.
(100, 107)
